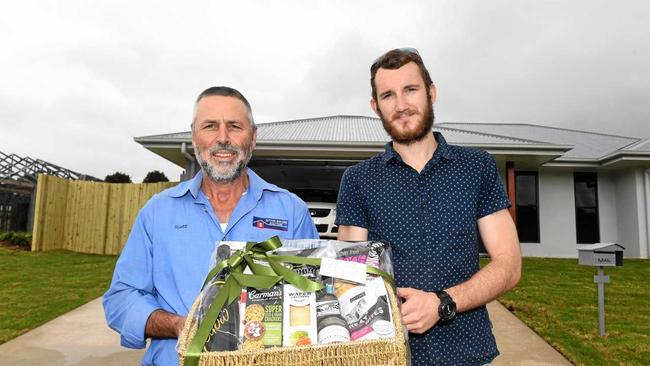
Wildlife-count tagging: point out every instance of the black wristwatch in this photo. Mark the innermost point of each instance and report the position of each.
(447, 307)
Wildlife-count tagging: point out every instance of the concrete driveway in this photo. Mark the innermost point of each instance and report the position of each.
(80, 338)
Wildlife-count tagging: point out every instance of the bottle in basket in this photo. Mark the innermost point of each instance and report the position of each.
(332, 327)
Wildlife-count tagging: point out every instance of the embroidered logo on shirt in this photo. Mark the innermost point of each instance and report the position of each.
(270, 223)
(184, 226)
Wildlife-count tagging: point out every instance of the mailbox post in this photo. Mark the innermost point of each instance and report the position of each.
(601, 255)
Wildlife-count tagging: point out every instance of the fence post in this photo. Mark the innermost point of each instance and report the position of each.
(37, 229)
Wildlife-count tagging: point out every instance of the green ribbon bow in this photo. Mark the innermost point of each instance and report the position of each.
(262, 277)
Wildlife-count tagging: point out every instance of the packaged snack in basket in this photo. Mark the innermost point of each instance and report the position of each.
(300, 325)
(262, 326)
(365, 308)
(369, 253)
(357, 254)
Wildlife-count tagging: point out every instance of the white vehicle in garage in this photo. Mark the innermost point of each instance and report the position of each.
(322, 208)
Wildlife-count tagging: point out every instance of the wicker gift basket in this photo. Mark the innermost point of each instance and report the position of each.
(384, 351)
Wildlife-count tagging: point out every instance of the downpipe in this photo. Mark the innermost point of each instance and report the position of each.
(189, 157)
(645, 248)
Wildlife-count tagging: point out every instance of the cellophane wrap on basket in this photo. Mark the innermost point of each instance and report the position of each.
(258, 306)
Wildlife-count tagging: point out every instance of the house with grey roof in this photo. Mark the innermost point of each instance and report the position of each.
(567, 187)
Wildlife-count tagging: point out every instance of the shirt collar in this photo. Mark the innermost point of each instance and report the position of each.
(256, 185)
(193, 186)
(443, 150)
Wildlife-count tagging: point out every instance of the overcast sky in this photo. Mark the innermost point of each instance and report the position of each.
(80, 79)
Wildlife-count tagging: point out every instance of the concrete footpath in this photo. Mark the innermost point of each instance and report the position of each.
(82, 338)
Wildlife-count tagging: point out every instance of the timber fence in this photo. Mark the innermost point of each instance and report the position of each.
(87, 217)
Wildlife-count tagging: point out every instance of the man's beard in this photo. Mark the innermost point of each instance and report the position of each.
(233, 170)
(422, 129)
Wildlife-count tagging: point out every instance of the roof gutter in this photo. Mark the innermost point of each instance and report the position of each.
(626, 155)
(602, 162)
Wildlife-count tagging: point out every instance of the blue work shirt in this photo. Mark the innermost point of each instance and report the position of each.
(430, 219)
(167, 254)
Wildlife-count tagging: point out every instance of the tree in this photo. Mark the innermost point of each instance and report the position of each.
(118, 177)
(155, 176)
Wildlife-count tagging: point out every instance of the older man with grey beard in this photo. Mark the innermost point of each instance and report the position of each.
(165, 259)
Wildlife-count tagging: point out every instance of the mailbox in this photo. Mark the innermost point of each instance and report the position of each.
(601, 254)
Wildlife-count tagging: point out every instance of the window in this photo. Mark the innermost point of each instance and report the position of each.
(527, 212)
(586, 197)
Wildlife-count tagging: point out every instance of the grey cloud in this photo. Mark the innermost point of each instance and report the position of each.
(81, 79)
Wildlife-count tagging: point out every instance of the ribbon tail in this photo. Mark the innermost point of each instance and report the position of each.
(214, 271)
(202, 333)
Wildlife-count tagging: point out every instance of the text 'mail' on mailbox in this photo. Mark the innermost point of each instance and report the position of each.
(601, 254)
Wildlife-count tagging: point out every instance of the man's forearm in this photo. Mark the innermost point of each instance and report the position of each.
(162, 324)
(490, 282)
(504, 270)
(352, 233)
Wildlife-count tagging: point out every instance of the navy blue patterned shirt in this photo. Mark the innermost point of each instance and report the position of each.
(430, 220)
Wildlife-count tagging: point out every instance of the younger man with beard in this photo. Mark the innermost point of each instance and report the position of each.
(428, 199)
(165, 259)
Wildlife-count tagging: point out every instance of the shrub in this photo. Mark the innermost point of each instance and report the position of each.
(19, 238)
(155, 176)
(117, 177)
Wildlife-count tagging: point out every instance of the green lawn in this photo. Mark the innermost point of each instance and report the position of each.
(36, 287)
(558, 299)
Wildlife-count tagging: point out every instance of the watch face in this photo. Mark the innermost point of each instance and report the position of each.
(447, 311)
(447, 308)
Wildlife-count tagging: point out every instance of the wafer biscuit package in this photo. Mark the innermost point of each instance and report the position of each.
(300, 324)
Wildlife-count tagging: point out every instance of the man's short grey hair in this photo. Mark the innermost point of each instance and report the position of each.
(224, 91)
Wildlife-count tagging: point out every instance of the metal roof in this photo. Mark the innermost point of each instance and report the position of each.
(351, 129)
(345, 133)
(176, 136)
(643, 145)
(325, 129)
(587, 145)
(361, 129)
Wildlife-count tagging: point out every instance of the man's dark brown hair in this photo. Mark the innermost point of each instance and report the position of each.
(393, 60)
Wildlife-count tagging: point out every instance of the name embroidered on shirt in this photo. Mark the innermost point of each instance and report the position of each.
(270, 223)
(184, 226)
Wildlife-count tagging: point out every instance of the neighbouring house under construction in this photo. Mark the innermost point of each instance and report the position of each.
(18, 178)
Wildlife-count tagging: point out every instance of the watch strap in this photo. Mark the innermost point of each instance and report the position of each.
(443, 295)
